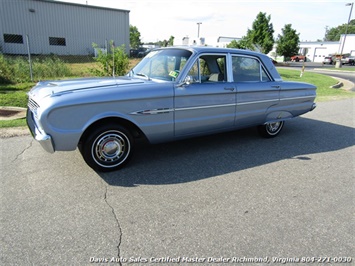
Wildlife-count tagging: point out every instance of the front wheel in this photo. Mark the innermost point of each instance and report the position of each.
(270, 130)
(107, 148)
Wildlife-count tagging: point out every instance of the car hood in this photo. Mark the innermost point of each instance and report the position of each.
(60, 87)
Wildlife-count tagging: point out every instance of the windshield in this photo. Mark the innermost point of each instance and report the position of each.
(162, 64)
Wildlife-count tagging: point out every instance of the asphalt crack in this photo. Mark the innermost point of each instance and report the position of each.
(23, 151)
(117, 222)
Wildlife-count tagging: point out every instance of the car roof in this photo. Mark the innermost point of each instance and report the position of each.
(208, 49)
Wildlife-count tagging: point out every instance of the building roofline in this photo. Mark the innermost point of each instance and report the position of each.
(230, 38)
(82, 5)
(314, 42)
(330, 42)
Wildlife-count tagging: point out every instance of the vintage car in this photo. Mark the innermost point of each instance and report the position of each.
(348, 59)
(298, 58)
(173, 93)
(329, 60)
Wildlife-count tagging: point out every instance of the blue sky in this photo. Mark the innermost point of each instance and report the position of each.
(159, 19)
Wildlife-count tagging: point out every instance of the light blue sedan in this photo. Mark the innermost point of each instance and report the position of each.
(173, 93)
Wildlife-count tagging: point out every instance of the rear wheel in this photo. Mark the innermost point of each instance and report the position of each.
(270, 130)
(107, 148)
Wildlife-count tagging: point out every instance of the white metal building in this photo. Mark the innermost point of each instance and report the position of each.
(53, 27)
(316, 51)
(224, 41)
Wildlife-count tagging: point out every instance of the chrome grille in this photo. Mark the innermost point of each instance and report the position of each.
(32, 105)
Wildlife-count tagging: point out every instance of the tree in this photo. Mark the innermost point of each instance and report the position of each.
(261, 34)
(165, 43)
(244, 43)
(171, 41)
(333, 34)
(234, 44)
(288, 42)
(134, 37)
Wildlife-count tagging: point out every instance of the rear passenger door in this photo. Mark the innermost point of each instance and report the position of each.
(257, 93)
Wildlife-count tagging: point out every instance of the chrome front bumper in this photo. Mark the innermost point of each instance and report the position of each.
(43, 139)
(314, 105)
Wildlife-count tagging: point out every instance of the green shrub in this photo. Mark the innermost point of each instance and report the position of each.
(5, 71)
(50, 67)
(21, 70)
(17, 70)
(115, 62)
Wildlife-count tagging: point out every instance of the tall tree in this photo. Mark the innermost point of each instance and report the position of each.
(134, 37)
(288, 42)
(261, 34)
(244, 43)
(171, 41)
(333, 34)
(165, 42)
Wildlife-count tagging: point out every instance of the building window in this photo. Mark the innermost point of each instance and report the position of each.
(57, 41)
(13, 38)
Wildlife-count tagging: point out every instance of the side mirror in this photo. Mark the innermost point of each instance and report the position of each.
(187, 81)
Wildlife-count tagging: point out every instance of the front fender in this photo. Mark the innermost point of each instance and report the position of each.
(67, 124)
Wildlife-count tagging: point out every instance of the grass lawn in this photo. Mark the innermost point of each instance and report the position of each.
(15, 95)
(323, 83)
(343, 68)
(13, 123)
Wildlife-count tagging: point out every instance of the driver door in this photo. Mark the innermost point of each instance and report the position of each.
(208, 103)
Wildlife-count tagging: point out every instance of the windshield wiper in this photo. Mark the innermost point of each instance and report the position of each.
(143, 75)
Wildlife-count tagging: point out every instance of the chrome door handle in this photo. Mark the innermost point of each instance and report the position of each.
(229, 89)
(276, 86)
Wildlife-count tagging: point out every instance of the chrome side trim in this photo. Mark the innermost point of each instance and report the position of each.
(168, 110)
(301, 97)
(204, 107)
(153, 111)
(266, 101)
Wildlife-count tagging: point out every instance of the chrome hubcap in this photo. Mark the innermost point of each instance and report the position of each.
(110, 149)
(273, 127)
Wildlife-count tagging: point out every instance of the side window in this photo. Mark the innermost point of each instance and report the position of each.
(248, 69)
(209, 68)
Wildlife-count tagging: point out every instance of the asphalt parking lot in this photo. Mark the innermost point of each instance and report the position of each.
(230, 198)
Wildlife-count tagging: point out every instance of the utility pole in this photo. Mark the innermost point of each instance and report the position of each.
(198, 29)
(346, 32)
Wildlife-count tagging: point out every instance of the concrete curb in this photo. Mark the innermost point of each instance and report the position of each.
(337, 86)
(344, 84)
(333, 70)
(12, 113)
